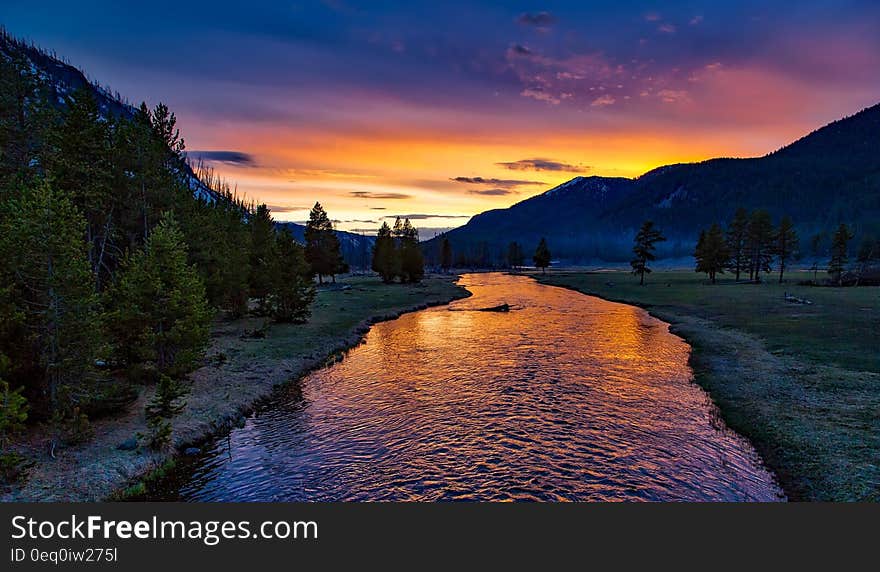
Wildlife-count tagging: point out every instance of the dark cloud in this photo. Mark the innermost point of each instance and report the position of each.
(420, 216)
(372, 195)
(288, 208)
(537, 19)
(520, 50)
(378, 208)
(499, 183)
(543, 165)
(492, 192)
(229, 157)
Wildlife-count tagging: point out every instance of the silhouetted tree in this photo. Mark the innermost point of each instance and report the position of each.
(737, 241)
(760, 236)
(711, 252)
(385, 259)
(868, 255)
(816, 253)
(412, 262)
(542, 256)
(322, 245)
(445, 255)
(515, 255)
(839, 244)
(786, 243)
(643, 249)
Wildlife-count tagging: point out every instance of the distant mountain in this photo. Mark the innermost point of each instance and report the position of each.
(566, 214)
(357, 249)
(830, 176)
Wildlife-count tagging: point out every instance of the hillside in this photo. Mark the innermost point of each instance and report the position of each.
(829, 176)
(61, 80)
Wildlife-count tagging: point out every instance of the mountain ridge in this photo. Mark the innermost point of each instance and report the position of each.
(829, 176)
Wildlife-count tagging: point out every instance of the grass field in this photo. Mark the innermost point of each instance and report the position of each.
(802, 381)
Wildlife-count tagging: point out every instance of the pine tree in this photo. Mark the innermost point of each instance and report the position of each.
(542, 256)
(839, 244)
(445, 255)
(13, 408)
(815, 253)
(25, 116)
(385, 259)
(786, 243)
(41, 243)
(737, 241)
(159, 311)
(643, 249)
(322, 245)
(515, 256)
(412, 263)
(760, 234)
(262, 253)
(712, 253)
(81, 167)
(292, 288)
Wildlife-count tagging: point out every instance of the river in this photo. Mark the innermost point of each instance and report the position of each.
(566, 397)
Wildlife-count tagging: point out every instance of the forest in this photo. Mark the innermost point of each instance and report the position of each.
(115, 256)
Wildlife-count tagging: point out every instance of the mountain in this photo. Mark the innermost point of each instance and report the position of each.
(63, 79)
(566, 214)
(830, 176)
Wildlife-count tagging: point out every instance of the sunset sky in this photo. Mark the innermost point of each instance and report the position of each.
(450, 108)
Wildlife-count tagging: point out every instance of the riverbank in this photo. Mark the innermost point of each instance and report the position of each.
(800, 381)
(240, 371)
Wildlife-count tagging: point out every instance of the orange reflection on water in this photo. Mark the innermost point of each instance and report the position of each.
(566, 397)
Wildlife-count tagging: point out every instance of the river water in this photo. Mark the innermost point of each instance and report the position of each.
(566, 397)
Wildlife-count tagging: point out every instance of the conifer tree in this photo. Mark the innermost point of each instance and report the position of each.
(445, 255)
(515, 256)
(13, 409)
(542, 256)
(786, 243)
(737, 241)
(385, 259)
(868, 254)
(711, 253)
(412, 263)
(262, 254)
(80, 166)
(41, 242)
(159, 311)
(815, 253)
(839, 244)
(759, 236)
(292, 289)
(322, 245)
(643, 249)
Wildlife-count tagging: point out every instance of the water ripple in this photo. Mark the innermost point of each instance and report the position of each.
(566, 398)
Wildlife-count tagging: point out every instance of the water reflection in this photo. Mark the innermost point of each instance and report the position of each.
(566, 397)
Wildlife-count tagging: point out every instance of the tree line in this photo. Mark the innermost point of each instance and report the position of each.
(114, 259)
(397, 253)
(751, 244)
(513, 257)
